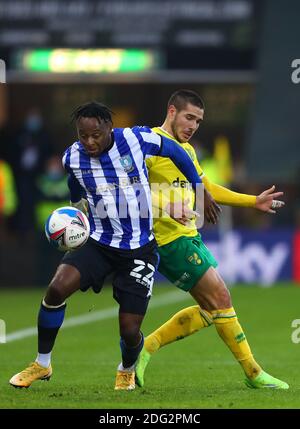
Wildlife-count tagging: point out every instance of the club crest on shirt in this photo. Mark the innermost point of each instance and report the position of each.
(127, 163)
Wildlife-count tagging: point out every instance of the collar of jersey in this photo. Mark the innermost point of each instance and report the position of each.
(169, 135)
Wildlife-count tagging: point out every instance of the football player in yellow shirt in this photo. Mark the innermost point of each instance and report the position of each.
(184, 258)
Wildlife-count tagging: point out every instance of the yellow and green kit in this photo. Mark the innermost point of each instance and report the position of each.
(184, 258)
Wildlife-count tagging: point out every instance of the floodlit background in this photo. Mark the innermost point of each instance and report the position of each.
(132, 55)
(241, 56)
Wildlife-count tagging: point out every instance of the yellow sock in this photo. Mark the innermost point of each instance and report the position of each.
(184, 323)
(230, 331)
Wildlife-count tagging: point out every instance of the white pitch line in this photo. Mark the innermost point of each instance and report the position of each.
(159, 301)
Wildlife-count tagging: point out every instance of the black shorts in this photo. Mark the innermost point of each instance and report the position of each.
(133, 272)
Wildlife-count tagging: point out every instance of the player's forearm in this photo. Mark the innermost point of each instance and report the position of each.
(182, 161)
(227, 197)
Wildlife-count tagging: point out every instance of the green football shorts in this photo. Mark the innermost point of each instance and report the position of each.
(184, 261)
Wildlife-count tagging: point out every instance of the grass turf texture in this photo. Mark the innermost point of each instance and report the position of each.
(197, 372)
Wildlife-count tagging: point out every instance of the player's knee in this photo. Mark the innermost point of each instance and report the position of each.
(131, 334)
(223, 298)
(218, 297)
(55, 294)
(65, 282)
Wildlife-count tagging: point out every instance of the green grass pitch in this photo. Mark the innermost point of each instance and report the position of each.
(197, 372)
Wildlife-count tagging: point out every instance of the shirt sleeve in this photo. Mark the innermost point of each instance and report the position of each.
(66, 160)
(227, 197)
(181, 159)
(76, 190)
(150, 142)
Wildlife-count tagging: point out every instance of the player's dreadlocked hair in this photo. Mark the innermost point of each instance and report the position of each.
(93, 109)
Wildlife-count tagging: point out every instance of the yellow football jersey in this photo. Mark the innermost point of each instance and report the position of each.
(163, 170)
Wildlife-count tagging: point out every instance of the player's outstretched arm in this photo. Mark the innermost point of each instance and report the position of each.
(228, 197)
(266, 201)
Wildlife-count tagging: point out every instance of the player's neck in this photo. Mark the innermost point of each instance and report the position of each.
(166, 129)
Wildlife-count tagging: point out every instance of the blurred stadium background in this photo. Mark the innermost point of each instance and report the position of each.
(132, 55)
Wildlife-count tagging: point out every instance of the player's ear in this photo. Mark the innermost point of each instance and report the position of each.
(172, 111)
(109, 126)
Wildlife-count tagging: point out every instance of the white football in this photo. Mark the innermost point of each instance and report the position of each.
(67, 228)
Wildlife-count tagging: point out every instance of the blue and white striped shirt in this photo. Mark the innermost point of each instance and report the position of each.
(116, 184)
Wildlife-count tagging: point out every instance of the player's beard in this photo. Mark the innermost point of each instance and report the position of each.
(174, 130)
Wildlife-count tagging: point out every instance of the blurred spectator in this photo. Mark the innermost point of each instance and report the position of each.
(8, 204)
(218, 168)
(28, 153)
(52, 192)
(218, 165)
(8, 199)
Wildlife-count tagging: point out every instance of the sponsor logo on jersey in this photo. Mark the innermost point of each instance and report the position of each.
(85, 172)
(181, 183)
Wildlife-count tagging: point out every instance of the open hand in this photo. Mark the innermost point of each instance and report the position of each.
(211, 209)
(181, 212)
(266, 201)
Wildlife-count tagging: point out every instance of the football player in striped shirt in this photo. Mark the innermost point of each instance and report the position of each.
(187, 262)
(107, 167)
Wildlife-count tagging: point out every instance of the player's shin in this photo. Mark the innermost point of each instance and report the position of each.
(50, 319)
(184, 323)
(230, 331)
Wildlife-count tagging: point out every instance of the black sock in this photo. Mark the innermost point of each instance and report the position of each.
(130, 354)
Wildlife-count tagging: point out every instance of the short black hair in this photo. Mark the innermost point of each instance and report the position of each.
(180, 98)
(92, 109)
